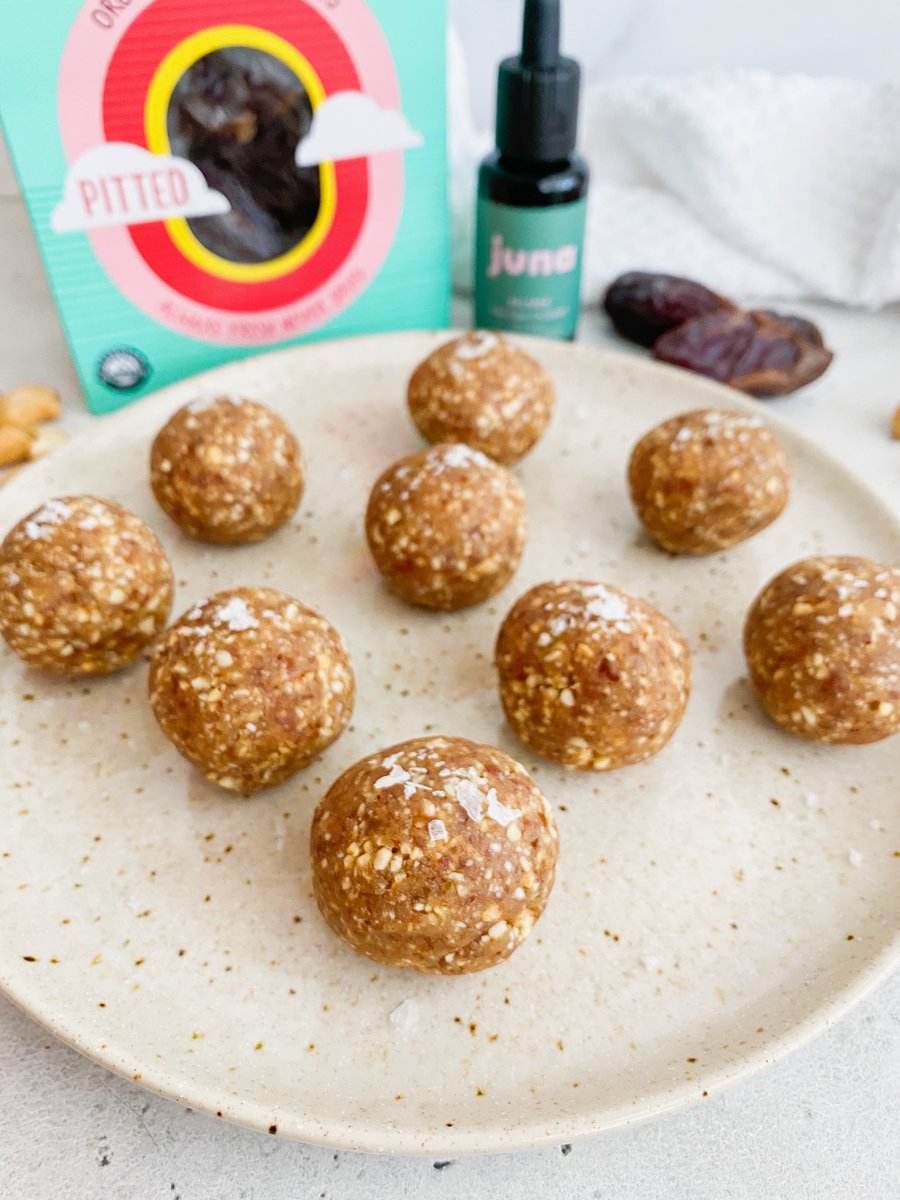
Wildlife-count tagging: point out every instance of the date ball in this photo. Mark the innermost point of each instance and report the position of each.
(446, 527)
(227, 471)
(250, 686)
(438, 854)
(823, 646)
(483, 391)
(590, 676)
(85, 586)
(707, 480)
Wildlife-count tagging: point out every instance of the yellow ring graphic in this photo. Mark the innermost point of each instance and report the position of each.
(156, 108)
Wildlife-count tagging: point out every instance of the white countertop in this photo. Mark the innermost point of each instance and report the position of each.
(823, 1123)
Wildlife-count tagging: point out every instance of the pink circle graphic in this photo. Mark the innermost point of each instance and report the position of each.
(87, 55)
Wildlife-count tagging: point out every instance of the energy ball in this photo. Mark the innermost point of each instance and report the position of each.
(591, 676)
(707, 480)
(446, 527)
(250, 686)
(823, 646)
(227, 471)
(85, 586)
(483, 391)
(438, 854)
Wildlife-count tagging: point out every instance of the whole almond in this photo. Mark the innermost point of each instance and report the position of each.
(30, 405)
(14, 445)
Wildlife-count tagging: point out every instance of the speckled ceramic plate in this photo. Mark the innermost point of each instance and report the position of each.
(713, 907)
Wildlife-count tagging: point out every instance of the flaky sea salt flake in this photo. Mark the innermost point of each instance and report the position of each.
(405, 1017)
(236, 615)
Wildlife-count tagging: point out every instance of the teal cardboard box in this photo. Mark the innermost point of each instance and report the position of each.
(213, 178)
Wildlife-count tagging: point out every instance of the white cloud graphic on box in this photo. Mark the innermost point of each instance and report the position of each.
(351, 125)
(118, 183)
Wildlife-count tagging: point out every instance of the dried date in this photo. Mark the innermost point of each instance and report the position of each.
(238, 114)
(758, 352)
(805, 328)
(642, 306)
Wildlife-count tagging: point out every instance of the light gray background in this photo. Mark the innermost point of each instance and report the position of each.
(824, 1123)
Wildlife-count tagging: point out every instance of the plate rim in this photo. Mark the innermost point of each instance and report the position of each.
(374, 1138)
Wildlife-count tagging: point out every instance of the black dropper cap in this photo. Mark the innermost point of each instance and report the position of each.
(537, 91)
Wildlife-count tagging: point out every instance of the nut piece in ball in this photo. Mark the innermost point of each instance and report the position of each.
(707, 480)
(591, 676)
(227, 471)
(437, 854)
(85, 586)
(446, 527)
(823, 646)
(250, 686)
(483, 391)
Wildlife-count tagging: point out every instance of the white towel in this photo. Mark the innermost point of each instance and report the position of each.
(756, 184)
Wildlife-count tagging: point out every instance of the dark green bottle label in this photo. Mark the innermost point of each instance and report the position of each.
(528, 268)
